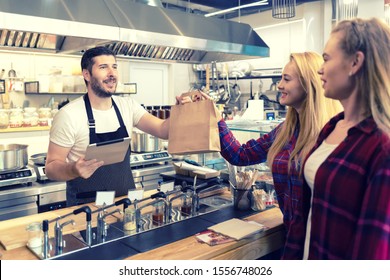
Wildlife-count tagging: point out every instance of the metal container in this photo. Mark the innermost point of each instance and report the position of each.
(13, 157)
(142, 142)
(39, 159)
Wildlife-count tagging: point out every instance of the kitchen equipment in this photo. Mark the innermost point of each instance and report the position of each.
(142, 142)
(25, 175)
(147, 167)
(13, 157)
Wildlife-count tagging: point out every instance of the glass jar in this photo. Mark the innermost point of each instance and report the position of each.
(16, 118)
(129, 221)
(30, 116)
(4, 118)
(34, 235)
(44, 113)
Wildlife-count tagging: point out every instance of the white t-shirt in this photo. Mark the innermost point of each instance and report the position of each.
(70, 124)
(311, 167)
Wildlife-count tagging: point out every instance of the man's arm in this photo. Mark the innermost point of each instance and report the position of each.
(57, 168)
(154, 126)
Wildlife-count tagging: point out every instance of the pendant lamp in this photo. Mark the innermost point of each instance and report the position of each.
(387, 11)
(347, 9)
(283, 9)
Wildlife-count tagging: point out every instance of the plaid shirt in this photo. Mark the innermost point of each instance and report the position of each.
(351, 202)
(288, 187)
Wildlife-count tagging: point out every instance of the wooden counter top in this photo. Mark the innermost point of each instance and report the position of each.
(13, 238)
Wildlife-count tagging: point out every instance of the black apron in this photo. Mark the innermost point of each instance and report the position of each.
(113, 177)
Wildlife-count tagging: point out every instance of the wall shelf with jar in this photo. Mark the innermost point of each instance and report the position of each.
(33, 88)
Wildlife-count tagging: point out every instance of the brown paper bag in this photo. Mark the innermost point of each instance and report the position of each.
(193, 127)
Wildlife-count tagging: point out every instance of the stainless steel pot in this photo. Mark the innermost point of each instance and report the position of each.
(142, 142)
(13, 157)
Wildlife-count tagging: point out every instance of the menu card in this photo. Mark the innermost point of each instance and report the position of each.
(237, 229)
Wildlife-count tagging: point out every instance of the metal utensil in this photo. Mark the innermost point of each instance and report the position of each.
(12, 72)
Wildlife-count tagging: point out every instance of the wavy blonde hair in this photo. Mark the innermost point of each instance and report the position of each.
(316, 111)
(372, 38)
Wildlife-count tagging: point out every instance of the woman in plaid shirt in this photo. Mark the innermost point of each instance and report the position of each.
(289, 143)
(349, 166)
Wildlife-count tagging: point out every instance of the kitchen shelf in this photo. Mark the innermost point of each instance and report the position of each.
(69, 93)
(56, 93)
(25, 129)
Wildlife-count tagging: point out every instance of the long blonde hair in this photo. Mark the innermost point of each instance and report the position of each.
(316, 111)
(372, 37)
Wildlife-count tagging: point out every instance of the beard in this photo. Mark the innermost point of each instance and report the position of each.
(99, 90)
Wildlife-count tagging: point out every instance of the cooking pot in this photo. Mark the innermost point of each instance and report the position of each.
(39, 159)
(142, 142)
(13, 157)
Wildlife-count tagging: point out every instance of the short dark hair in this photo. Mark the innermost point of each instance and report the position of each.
(87, 59)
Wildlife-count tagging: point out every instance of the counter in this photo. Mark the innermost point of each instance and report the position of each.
(168, 242)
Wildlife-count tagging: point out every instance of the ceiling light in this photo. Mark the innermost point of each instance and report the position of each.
(259, 3)
(283, 9)
(347, 9)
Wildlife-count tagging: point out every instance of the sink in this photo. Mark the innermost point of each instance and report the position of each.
(213, 203)
(113, 232)
(71, 244)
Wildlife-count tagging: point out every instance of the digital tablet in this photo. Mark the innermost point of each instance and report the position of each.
(110, 152)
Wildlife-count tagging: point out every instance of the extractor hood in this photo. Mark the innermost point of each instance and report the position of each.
(130, 29)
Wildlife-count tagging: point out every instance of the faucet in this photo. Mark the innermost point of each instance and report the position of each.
(102, 226)
(58, 234)
(158, 197)
(88, 232)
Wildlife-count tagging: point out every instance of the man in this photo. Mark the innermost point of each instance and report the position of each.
(96, 117)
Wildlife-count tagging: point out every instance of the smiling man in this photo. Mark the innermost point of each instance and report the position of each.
(96, 117)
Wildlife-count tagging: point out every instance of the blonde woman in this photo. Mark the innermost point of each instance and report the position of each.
(287, 145)
(348, 170)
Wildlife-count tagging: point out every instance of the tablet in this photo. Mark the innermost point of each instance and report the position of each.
(110, 152)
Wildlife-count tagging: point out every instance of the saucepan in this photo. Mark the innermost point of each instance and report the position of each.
(142, 142)
(13, 157)
(39, 159)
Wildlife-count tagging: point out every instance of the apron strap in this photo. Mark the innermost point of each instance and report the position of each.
(91, 121)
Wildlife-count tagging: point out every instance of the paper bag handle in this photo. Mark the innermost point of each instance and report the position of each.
(195, 95)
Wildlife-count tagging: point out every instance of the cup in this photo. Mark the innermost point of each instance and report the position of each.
(241, 199)
(35, 239)
(129, 223)
(186, 205)
(258, 198)
(158, 214)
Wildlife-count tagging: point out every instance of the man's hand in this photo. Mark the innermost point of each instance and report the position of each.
(85, 168)
(196, 96)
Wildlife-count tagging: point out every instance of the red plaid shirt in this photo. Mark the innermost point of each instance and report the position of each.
(288, 187)
(351, 202)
